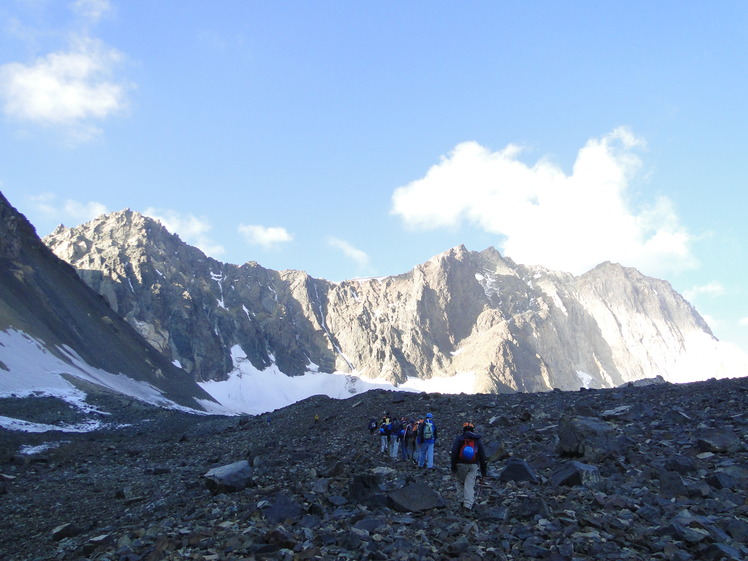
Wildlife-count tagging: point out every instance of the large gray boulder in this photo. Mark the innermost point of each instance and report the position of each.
(591, 439)
(229, 478)
(576, 473)
(415, 497)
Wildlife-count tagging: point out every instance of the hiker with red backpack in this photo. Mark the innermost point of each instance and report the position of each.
(467, 457)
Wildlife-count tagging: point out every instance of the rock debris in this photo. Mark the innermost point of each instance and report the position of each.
(633, 473)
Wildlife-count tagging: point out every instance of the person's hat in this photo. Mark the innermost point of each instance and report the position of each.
(468, 426)
(429, 415)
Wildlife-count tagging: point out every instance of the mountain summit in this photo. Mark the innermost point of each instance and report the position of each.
(504, 327)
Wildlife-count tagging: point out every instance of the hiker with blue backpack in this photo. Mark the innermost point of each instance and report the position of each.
(467, 457)
(427, 437)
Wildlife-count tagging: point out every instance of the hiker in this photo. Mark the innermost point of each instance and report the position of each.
(395, 437)
(406, 438)
(372, 426)
(467, 457)
(417, 440)
(427, 434)
(316, 418)
(410, 442)
(385, 428)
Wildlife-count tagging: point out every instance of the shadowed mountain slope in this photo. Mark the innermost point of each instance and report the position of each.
(42, 297)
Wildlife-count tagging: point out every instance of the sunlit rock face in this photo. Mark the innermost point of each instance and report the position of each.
(514, 327)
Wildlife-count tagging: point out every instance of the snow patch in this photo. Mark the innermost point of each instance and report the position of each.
(33, 371)
(585, 379)
(253, 391)
(28, 450)
(462, 382)
(218, 277)
(26, 426)
(488, 282)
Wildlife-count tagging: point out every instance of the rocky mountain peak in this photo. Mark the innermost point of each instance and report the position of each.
(15, 231)
(509, 327)
(121, 229)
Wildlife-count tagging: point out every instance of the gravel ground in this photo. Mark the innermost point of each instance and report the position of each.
(137, 492)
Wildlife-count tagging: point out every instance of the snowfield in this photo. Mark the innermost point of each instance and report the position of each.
(28, 368)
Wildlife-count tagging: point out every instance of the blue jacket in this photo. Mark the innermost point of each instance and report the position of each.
(385, 427)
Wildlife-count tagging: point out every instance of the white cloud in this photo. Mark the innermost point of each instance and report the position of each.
(69, 211)
(266, 237)
(545, 216)
(93, 10)
(714, 288)
(189, 228)
(83, 212)
(73, 88)
(743, 321)
(351, 252)
(65, 87)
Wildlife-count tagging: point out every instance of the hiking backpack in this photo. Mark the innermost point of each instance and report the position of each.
(468, 451)
(428, 430)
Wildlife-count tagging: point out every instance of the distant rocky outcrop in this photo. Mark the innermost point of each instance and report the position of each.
(43, 297)
(517, 328)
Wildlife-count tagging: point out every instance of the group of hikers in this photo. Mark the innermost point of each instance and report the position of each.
(414, 440)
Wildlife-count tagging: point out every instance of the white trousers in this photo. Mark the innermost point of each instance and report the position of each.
(466, 476)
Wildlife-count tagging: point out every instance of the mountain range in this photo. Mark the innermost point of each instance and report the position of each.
(648, 472)
(479, 317)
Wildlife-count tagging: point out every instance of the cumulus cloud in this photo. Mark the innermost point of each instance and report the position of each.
(74, 88)
(714, 288)
(69, 211)
(542, 215)
(190, 228)
(266, 237)
(354, 254)
(64, 88)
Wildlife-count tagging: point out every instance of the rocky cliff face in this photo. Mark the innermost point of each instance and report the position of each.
(517, 328)
(43, 298)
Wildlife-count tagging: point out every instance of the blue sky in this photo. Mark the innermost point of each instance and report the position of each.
(354, 139)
